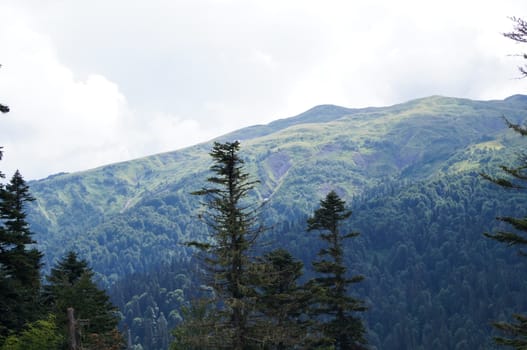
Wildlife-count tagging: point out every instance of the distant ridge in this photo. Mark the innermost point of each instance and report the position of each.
(328, 112)
(318, 114)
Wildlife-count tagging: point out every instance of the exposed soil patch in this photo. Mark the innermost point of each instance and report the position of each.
(279, 163)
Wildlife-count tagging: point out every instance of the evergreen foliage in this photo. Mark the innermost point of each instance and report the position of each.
(335, 309)
(70, 284)
(20, 262)
(198, 329)
(519, 34)
(515, 333)
(146, 298)
(283, 302)
(234, 230)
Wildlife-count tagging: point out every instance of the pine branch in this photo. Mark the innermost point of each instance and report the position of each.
(500, 181)
(517, 332)
(507, 237)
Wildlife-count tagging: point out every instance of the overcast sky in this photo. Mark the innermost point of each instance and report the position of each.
(96, 82)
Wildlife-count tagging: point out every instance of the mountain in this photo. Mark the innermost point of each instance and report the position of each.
(409, 171)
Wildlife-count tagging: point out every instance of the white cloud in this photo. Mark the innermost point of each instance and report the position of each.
(62, 123)
(96, 82)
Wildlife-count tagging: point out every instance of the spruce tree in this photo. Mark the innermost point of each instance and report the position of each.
(20, 262)
(70, 284)
(230, 319)
(335, 310)
(283, 302)
(514, 178)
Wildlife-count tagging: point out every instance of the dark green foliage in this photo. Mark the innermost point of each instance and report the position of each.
(519, 34)
(146, 298)
(19, 261)
(429, 277)
(516, 332)
(226, 254)
(70, 284)
(195, 331)
(516, 176)
(283, 302)
(335, 309)
(13, 200)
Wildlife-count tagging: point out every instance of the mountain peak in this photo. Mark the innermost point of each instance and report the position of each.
(318, 114)
(518, 98)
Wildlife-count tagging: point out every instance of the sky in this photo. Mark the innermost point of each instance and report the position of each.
(96, 82)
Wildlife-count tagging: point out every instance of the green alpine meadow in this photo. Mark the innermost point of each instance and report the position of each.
(408, 183)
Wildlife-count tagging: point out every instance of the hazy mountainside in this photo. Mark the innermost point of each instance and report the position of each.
(409, 170)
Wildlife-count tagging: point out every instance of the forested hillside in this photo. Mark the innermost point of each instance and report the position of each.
(410, 173)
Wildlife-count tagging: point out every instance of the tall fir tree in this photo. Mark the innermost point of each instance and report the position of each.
(514, 334)
(233, 223)
(335, 310)
(20, 261)
(70, 284)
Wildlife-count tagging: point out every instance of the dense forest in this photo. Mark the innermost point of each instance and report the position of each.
(421, 249)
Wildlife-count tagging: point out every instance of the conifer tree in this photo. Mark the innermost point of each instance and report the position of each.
(335, 309)
(514, 333)
(229, 322)
(20, 262)
(519, 34)
(515, 178)
(70, 284)
(283, 302)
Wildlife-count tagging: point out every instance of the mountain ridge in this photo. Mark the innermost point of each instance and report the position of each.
(409, 171)
(304, 118)
(414, 138)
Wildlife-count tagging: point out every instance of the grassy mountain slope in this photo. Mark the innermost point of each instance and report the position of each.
(414, 139)
(390, 163)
